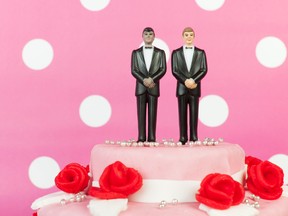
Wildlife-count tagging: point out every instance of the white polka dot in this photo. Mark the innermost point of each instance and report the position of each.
(37, 54)
(42, 172)
(210, 5)
(95, 5)
(95, 111)
(271, 52)
(213, 111)
(162, 45)
(281, 160)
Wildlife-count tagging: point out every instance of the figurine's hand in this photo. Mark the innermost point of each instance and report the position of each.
(152, 85)
(190, 83)
(193, 86)
(148, 82)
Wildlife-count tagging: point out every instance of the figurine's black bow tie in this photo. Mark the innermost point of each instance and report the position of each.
(148, 47)
(188, 47)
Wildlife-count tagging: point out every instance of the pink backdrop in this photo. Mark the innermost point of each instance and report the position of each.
(66, 85)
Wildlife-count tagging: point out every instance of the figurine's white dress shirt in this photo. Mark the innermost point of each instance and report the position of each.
(188, 53)
(148, 53)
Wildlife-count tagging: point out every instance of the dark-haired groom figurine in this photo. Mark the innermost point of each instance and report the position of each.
(189, 67)
(148, 66)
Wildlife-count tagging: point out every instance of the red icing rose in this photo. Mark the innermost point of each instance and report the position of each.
(73, 178)
(265, 180)
(220, 191)
(249, 160)
(117, 181)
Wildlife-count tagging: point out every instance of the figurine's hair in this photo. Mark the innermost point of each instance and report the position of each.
(188, 29)
(148, 29)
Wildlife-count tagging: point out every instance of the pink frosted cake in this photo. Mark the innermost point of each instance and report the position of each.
(162, 180)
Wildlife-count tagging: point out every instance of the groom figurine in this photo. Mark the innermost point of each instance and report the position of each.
(189, 67)
(148, 66)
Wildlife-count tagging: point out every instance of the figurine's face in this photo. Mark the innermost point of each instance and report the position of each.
(188, 38)
(148, 37)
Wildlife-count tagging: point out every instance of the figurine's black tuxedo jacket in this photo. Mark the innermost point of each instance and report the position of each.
(180, 71)
(156, 71)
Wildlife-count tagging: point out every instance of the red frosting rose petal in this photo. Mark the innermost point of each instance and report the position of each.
(72, 179)
(133, 183)
(265, 180)
(239, 193)
(99, 193)
(118, 180)
(224, 183)
(118, 172)
(212, 187)
(212, 203)
(272, 174)
(249, 160)
(220, 191)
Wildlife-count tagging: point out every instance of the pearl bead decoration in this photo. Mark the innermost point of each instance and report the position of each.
(79, 197)
(163, 203)
(166, 143)
(174, 201)
(252, 201)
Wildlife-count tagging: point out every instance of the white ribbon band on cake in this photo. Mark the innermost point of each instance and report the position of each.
(153, 191)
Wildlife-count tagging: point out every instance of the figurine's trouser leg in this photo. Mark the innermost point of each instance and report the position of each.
(141, 115)
(193, 113)
(152, 117)
(182, 113)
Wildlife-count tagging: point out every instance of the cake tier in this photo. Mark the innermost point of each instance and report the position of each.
(170, 172)
(171, 163)
(267, 208)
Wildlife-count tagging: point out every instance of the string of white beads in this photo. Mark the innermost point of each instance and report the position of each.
(79, 197)
(252, 201)
(166, 142)
(163, 203)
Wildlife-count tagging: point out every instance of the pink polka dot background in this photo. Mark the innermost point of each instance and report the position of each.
(66, 85)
